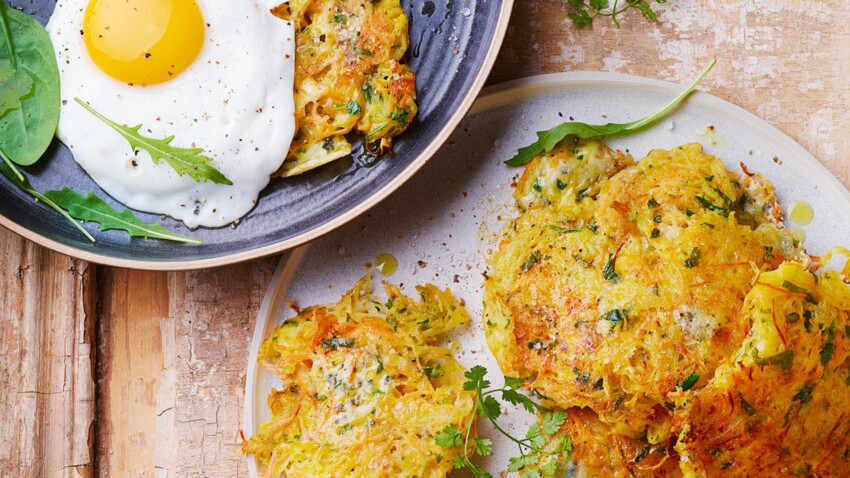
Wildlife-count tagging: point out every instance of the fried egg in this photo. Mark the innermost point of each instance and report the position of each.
(215, 75)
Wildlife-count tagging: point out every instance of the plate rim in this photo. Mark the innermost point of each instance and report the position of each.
(492, 96)
(288, 244)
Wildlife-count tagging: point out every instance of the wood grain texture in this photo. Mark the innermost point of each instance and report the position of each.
(174, 350)
(46, 369)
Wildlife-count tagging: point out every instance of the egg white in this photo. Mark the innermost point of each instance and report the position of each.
(235, 101)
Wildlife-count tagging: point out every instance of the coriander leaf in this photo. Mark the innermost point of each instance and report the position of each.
(515, 398)
(477, 472)
(476, 381)
(534, 437)
(514, 383)
(646, 11)
(483, 446)
(519, 463)
(531, 473)
(450, 437)
(489, 408)
(11, 172)
(553, 421)
(27, 129)
(550, 467)
(547, 140)
(581, 18)
(187, 161)
(92, 208)
(598, 4)
(459, 462)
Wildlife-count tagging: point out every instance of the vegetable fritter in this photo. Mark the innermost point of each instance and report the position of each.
(365, 390)
(780, 405)
(620, 292)
(349, 76)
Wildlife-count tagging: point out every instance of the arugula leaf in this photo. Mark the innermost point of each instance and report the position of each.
(548, 139)
(92, 208)
(187, 161)
(7, 167)
(29, 106)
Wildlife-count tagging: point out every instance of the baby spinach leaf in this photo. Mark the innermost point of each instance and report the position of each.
(187, 161)
(548, 139)
(92, 208)
(29, 78)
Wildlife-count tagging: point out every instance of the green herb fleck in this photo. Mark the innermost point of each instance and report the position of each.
(609, 273)
(400, 117)
(746, 405)
(689, 382)
(533, 259)
(353, 108)
(337, 342)
(693, 259)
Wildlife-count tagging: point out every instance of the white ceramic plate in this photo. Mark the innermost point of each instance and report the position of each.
(441, 225)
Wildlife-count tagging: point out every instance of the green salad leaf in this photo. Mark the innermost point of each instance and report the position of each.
(92, 208)
(29, 87)
(548, 139)
(187, 161)
(10, 171)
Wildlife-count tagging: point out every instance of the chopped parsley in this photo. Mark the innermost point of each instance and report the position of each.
(353, 108)
(609, 273)
(693, 259)
(533, 259)
(337, 342)
(689, 382)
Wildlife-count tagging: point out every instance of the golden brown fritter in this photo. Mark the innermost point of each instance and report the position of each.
(612, 292)
(624, 291)
(349, 76)
(365, 391)
(780, 405)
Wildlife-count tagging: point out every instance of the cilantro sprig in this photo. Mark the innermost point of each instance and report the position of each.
(547, 140)
(531, 447)
(587, 11)
(187, 161)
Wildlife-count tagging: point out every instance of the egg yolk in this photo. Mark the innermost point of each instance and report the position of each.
(143, 42)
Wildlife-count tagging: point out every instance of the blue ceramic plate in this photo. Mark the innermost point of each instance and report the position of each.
(453, 46)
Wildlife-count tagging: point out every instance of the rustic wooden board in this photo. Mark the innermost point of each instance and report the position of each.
(172, 348)
(46, 362)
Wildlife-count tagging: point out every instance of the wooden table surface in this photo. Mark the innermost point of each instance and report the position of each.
(109, 372)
